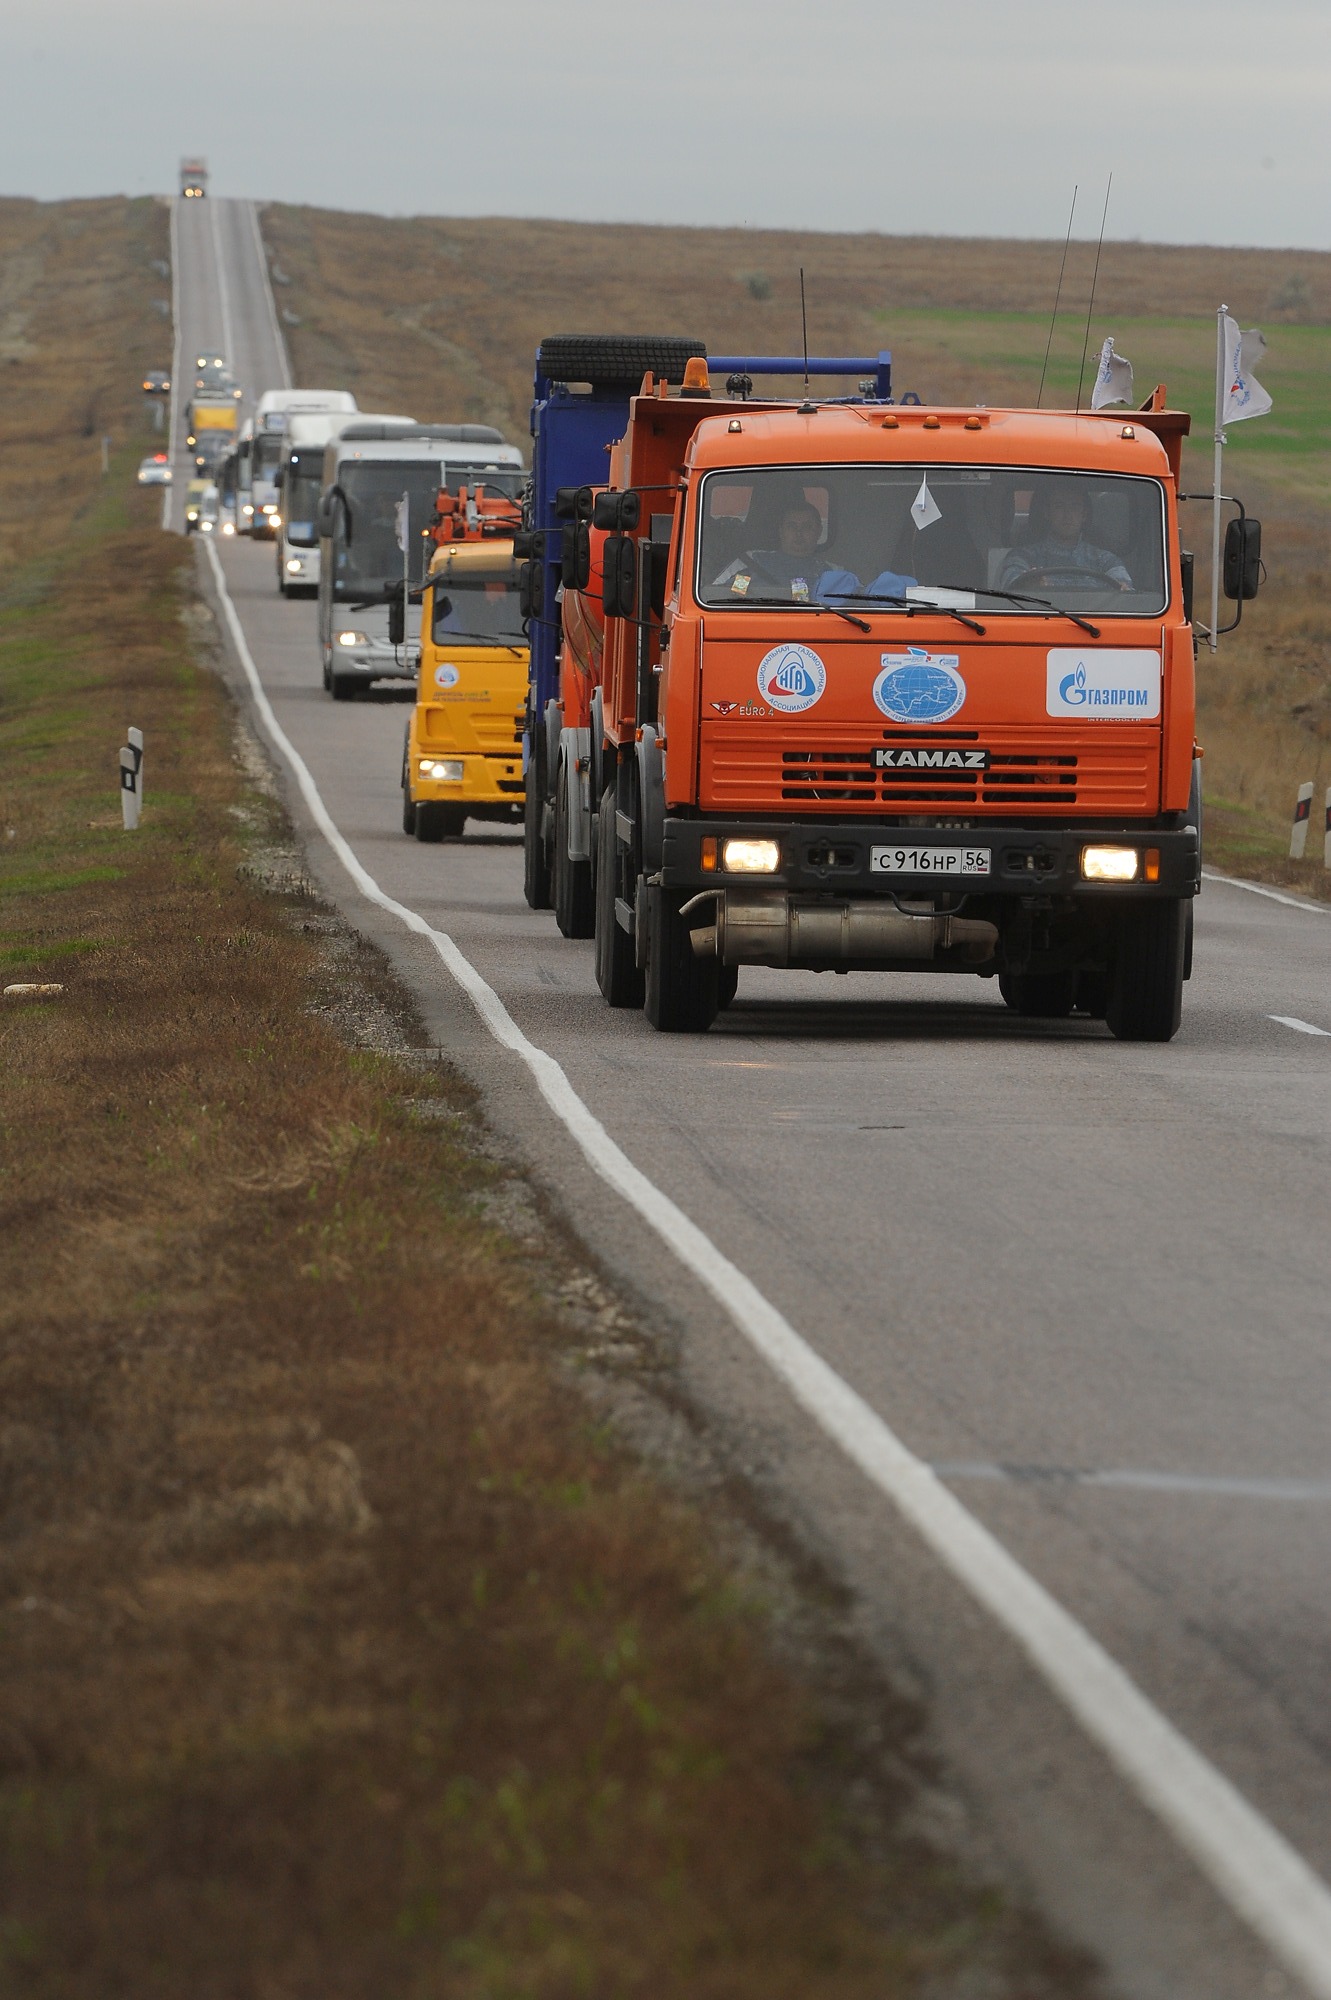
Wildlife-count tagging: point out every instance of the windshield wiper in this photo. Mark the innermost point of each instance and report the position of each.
(484, 638)
(1025, 597)
(911, 605)
(805, 604)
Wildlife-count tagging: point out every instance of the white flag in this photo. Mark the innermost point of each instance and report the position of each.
(1244, 394)
(924, 509)
(401, 521)
(1113, 382)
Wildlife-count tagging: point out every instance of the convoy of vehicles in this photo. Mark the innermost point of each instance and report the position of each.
(819, 682)
(370, 469)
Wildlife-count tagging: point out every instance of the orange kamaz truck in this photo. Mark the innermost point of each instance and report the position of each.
(891, 687)
(462, 758)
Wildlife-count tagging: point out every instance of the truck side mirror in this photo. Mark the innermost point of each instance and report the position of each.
(619, 583)
(531, 588)
(575, 566)
(397, 620)
(1242, 571)
(620, 512)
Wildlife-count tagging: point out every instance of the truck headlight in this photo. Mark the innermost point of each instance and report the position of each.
(1110, 864)
(352, 639)
(294, 563)
(448, 770)
(750, 857)
(246, 508)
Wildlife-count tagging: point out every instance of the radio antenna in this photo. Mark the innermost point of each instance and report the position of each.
(1057, 296)
(804, 329)
(1095, 277)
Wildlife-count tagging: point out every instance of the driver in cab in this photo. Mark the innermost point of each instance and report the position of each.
(793, 569)
(1058, 551)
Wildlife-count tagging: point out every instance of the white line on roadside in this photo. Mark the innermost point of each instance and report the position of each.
(1301, 1027)
(1272, 895)
(279, 339)
(1253, 1866)
(1207, 1485)
(169, 492)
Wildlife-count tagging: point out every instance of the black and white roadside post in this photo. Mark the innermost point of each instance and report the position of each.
(131, 779)
(1303, 812)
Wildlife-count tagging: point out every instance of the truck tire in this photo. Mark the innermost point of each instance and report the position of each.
(434, 821)
(575, 913)
(1146, 982)
(615, 360)
(682, 991)
(343, 687)
(1039, 996)
(535, 860)
(616, 973)
(408, 808)
(727, 985)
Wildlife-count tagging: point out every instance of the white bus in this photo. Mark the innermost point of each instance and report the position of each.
(268, 441)
(366, 472)
(300, 482)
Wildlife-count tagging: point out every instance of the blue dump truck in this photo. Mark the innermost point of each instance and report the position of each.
(580, 408)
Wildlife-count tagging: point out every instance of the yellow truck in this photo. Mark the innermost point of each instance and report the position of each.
(462, 758)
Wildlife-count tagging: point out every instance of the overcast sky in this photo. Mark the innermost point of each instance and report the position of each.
(945, 116)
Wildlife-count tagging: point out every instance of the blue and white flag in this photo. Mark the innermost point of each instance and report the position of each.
(1244, 394)
(1113, 381)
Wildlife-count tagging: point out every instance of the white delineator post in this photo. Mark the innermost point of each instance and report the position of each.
(131, 779)
(1220, 318)
(1303, 812)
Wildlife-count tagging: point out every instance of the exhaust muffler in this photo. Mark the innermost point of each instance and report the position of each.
(769, 927)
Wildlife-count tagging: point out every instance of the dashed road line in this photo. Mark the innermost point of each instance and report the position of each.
(1255, 1869)
(1299, 1027)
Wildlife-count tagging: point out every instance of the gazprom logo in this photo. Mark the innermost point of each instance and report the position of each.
(919, 686)
(1113, 684)
(791, 678)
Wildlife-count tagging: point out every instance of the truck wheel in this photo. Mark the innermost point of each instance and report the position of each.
(727, 984)
(682, 995)
(615, 360)
(1146, 982)
(575, 912)
(535, 860)
(616, 973)
(1039, 996)
(439, 822)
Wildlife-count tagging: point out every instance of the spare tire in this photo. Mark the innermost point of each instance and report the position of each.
(615, 360)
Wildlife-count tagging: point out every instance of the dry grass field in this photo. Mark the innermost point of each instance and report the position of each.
(442, 316)
(344, 1652)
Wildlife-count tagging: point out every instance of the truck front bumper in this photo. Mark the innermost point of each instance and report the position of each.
(835, 858)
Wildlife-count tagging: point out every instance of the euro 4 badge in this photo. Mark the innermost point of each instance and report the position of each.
(918, 686)
(1103, 683)
(791, 678)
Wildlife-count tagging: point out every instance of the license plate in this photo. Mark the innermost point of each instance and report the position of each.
(929, 860)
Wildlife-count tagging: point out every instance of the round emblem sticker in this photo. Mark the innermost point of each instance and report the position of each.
(918, 686)
(446, 676)
(791, 678)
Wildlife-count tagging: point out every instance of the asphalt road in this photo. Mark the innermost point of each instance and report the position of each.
(1088, 1281)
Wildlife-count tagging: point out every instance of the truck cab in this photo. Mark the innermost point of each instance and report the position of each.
(896, 688)
(462, 758)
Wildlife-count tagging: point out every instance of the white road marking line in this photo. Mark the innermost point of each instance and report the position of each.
(279, 339)
(1272, 895)
(223, 291)
(1261, 1876)
(1301, 1027)
(169, 492)
(1218, 1484)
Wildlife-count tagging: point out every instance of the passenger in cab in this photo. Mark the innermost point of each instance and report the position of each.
(1057, 551)
(794, 568)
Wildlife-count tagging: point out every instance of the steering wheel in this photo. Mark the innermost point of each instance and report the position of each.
(1075, 577)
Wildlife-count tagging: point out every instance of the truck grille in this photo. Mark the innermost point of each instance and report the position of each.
(1021, 777)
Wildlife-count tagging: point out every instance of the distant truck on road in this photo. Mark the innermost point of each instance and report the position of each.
(193, 179)
(212, 429)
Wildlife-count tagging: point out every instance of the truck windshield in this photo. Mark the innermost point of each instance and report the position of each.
(480, 606)
(267, 455)
(366, 558)
(995, 537)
